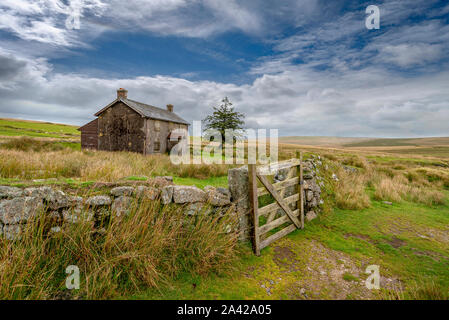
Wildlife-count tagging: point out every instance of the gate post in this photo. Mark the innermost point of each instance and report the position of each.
(254, 204)
(300, 188)
(238, 186)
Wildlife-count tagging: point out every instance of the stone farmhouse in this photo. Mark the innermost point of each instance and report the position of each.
(128, 125)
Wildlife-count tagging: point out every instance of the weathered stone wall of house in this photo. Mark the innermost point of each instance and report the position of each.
(121, 129)
(157, 132)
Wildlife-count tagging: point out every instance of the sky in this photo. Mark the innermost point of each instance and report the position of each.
(304, 67)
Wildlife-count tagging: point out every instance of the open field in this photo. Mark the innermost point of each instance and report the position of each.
(424, 147)
(15, 127)
(384, 205)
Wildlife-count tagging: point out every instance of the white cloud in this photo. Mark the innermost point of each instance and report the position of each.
(298, 102)
(339, 88)
(406, 55)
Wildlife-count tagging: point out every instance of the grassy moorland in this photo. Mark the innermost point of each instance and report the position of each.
(15, 127)
(385, 208)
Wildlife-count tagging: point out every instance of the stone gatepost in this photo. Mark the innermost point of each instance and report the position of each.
(238, 186)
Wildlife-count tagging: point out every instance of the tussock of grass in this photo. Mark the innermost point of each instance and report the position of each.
(148, 248)
(355, 161)
(423, 290)
(398, 189)
(350, 191)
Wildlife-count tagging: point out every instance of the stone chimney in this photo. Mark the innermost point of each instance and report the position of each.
(169, 107)
(122, 93)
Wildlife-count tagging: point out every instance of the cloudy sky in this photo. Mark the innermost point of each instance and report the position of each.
(306, 67)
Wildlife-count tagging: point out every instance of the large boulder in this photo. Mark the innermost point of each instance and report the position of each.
(218, 196)
(122, 191)
(98, 201)
(19, 210)
(10, 192)
(188, 194)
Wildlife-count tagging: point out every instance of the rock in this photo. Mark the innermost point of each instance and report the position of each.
(10, 192)
(56, 199)
(55, 217)
(188, 194)
(167, 178)
(97, 201)
(19, 210)
(387, 202)
(55, 230)
(12, 232)
(121, 206)
(167, 194)
(218, 196)
(147, 193)
(1, 229)
(75, 201)
(73, 216)
(307, 176)
(193, 209)
(281, 175)
(309, 195)
(311, 215)
(40, 192)
(69, 216)
(53, 199)
(122, 191)
(349, 169)
(162, 181)
(334, 176)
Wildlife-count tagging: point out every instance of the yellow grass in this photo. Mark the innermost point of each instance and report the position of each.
(96, 165)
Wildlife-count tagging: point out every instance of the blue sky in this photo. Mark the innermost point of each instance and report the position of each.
(305, 67)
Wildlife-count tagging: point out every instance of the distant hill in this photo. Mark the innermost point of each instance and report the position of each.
(365, 142)
(17, 127)
(322, 141)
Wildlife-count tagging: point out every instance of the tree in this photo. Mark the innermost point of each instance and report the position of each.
(224, 117)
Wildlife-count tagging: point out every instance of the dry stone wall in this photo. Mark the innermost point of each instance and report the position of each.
(20, 206)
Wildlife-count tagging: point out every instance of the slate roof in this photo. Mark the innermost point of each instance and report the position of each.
(147, 111)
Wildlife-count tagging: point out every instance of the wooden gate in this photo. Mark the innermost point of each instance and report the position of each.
(275, 220)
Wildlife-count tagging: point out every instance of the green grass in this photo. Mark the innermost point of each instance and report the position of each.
(398, 238)
(201, 183)
(9, 127)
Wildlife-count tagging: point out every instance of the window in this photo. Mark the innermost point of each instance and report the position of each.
(157, 125)
(157, 146)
